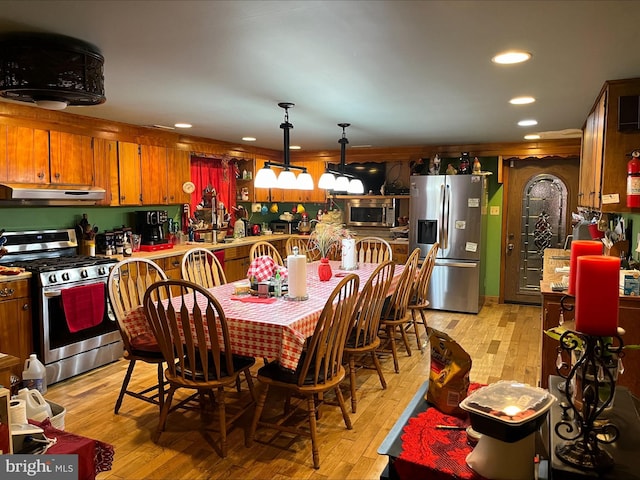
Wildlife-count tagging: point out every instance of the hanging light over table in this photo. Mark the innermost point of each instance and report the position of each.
(344, 182)
(266, 177)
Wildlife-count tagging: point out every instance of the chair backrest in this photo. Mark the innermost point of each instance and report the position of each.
(190, 327)
(363, 329)
(421, 286)
(373, 250)
(323, 357)
(262, 248)
(201, 266)
(398, 304)
(304, 248)
(127, 283)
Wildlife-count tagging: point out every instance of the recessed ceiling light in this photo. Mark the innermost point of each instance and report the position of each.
(510, 57)
(295, 147)
(183, 125)
(249, 139)
(522, 100)
(533, 136)
(527, 123)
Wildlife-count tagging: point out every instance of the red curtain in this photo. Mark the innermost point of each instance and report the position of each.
(216, 172)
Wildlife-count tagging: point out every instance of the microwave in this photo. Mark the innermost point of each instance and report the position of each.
(371, 212)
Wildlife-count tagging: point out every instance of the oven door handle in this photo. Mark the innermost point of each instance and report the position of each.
(52, 293)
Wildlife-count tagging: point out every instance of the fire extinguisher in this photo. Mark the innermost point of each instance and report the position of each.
(633, 180)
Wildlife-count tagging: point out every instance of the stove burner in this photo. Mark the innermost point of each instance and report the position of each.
(61, 263)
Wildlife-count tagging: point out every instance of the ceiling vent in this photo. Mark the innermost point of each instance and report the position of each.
(50, 70)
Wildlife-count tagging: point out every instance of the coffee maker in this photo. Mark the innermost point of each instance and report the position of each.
(150, 226)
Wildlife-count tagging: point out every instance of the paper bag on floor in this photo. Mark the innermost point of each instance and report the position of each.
(449, 376)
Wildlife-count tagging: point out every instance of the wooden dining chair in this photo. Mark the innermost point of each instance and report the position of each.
(319, 370)
(362, 336)
(200, 359)
(373, 250)
(262, 248)
(418, 303)
(127, 282)
(201, 266)
(395, 313)
(304, 248)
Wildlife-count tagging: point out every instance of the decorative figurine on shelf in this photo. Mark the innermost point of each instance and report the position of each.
(434, 166)
(465, 165)
(477, 168)
(415, 166)
(451, 170)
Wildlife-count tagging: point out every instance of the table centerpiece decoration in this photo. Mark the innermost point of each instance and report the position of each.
(327, 239)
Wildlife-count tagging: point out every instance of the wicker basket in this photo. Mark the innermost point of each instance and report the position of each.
(58, 413)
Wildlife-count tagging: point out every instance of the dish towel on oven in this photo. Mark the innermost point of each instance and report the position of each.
(83, 306)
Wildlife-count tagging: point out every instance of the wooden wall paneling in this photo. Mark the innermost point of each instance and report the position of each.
(129, 173)
(27, 154)
(4, 166)
(153, 161)
(71, 158)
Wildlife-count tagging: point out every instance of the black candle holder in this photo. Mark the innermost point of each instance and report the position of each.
(589, 389)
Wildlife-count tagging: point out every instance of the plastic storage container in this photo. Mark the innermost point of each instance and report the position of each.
(38, 408)
(34, 375)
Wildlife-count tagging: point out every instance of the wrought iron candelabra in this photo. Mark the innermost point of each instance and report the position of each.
(589, 390)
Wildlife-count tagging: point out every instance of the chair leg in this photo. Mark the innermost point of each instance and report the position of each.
(394, 349)
(376, 362)
(247, 375)
(223, 421)
(415, 329)
(343, 408)
(125, 384)
(164, 413)
(352, 382)
(405, 339)
(313, 430)
(160, 385)
(256, 416)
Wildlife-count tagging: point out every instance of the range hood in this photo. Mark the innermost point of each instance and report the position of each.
(49, 194)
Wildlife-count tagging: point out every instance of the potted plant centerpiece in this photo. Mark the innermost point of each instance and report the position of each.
(327, 238)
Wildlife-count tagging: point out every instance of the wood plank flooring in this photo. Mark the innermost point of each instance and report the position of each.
(503, 341)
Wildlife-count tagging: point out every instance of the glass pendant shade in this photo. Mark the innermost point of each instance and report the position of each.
(342, 184)
(265, 178)
(356, 187)
(305, 181)
(287, 180)
(327, 181)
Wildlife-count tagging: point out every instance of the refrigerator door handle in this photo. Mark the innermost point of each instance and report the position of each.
(456, 264)
(445, 220)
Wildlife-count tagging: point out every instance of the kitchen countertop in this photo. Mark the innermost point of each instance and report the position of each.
(20, 276)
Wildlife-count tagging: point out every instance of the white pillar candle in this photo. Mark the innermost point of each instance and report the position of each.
(349, 254)
(297, 275)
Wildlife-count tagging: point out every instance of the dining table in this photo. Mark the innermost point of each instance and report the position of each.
(274, 327)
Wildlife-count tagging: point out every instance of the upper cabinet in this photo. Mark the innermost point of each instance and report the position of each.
(608, 139)
(152, 175)
(27, 154)
(105, 167)
(71, 158)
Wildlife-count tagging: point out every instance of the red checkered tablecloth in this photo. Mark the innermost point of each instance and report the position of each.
(278, 330)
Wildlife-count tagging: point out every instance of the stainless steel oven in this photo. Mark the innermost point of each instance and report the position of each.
(371, 212)
(66, 349)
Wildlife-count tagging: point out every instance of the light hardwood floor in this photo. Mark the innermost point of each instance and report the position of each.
(503, 341)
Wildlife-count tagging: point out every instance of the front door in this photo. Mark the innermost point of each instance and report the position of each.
(541, 195)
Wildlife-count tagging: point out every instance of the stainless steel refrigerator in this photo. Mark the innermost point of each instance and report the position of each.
(451, 210)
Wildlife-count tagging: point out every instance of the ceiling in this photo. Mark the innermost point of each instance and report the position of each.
(401, 72)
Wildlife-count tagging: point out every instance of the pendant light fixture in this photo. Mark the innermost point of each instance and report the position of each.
(266, 177)
(344, 182)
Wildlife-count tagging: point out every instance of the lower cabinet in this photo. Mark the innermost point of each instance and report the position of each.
(236, 262)
(172, 266)
(400, 252)
(15, 321)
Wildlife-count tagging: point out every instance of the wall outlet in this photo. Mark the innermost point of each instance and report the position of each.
(256, 207)
(494, 210)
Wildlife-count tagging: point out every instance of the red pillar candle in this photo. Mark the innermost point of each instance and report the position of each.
(597, 295)
(579, 248)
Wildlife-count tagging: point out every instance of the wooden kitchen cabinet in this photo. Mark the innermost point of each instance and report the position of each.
(15, 321)
(71, 158)
(236, 262)
(105, 167)
(172, 266)
(26, 151)
(153, 161)
(628, 318)
(400, 252)
(178, 172)
(603, 165)
(129, 174)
